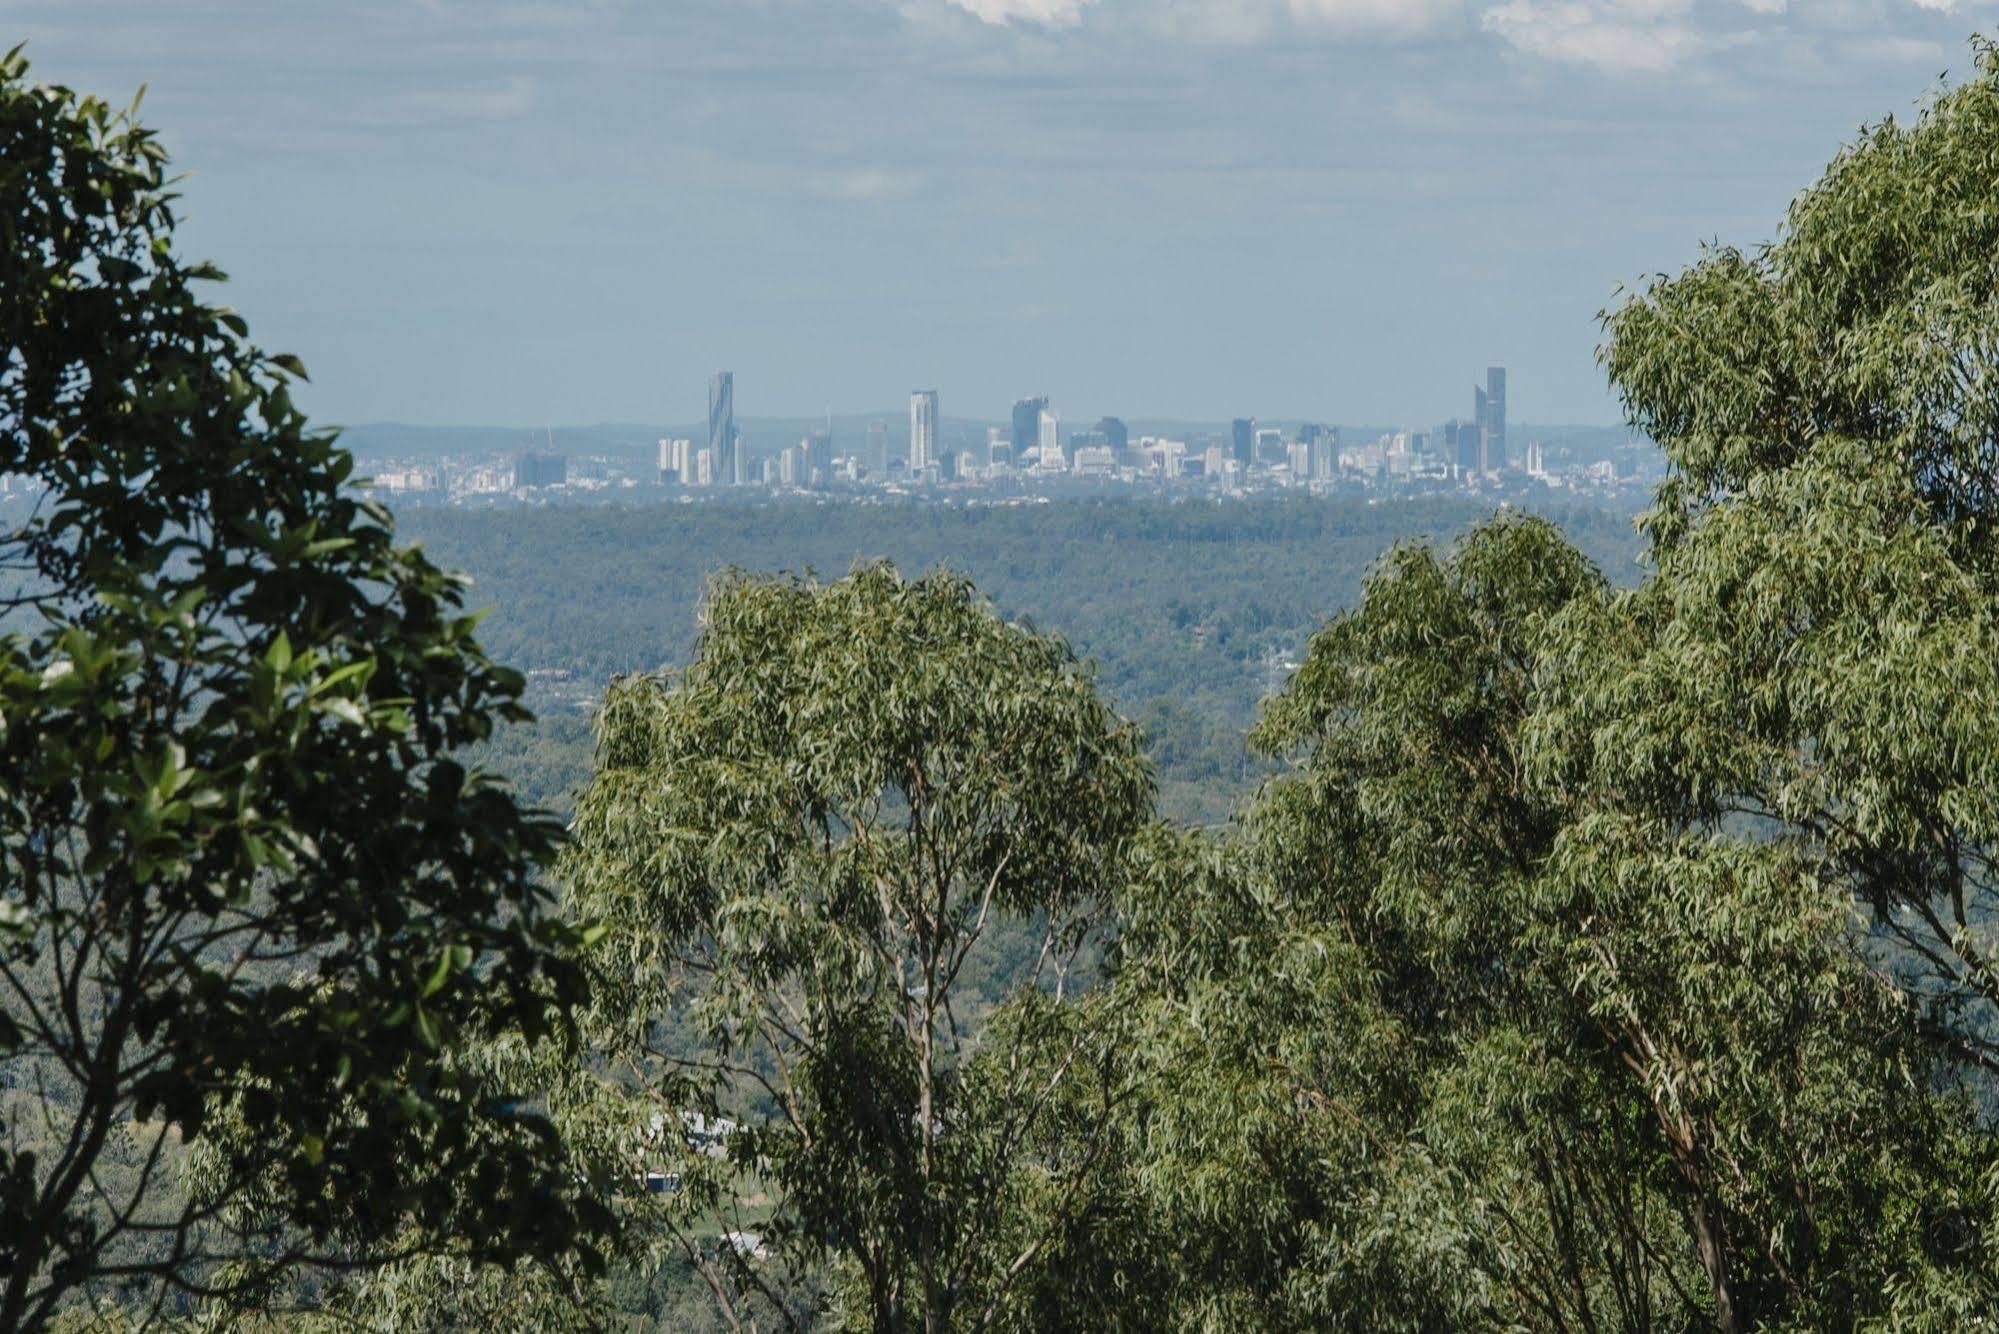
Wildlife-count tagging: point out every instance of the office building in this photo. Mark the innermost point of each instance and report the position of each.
(1114, 433)
(877, 455)
(1242, 434)
(1463, 446)
(1492, 422)
(923, 432)
(1027, 424)
(1095, 461)
(1322, 450)
(999, 448)
(818, 461)
(724, 445)
(676, 462)
(536, 470)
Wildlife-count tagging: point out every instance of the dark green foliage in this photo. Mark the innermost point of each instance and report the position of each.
(244, 879)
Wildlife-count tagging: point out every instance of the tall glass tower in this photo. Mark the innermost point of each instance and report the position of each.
(1494, 420)
(722, 441)
(922, 430)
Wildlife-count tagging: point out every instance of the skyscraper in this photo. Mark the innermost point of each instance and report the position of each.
(1492, 419)
(877, 457)
(1114, 433)
(1049, 435)
(1322, 444)
(1243, 440)
(722, 439)
(1027, 425)
(1481, 410)
(922, 430)
(818, 446)
(1462, 446)
(534, 470)
(676, 462)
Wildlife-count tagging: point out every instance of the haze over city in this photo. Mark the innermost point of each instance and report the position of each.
(1313, 209)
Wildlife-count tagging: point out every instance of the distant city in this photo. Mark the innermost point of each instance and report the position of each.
(1032, 455)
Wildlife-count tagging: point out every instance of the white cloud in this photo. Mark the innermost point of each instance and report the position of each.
(1617, 36)
(1047, 13)
(1231, 20)
(1392, 17)
(1613, 36)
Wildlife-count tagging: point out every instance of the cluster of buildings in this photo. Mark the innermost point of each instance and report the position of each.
(1033, 445)
(1032, 450)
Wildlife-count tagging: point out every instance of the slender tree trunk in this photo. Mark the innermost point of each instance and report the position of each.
(933, 1315)
(1712, 1248)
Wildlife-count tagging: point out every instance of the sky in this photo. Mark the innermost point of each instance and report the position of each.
(513, 212)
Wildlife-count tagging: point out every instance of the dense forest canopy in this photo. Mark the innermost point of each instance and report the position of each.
(1191, 612)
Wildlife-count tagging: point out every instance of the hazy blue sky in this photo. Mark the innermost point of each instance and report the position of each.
(1343, 209)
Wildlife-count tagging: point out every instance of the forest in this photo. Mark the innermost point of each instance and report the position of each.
(1189, 612)
(1600, 934)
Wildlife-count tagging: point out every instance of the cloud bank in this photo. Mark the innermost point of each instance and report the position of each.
(1618, 37)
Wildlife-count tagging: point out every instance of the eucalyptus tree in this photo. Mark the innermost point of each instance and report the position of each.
(1456, 1039)
(801, 848)
(1819, 652)
(243, 881)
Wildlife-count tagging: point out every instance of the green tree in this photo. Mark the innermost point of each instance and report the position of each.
(1462, 1041)
(855, 797)
(1674, 906)
(245, 883)
(1817, 651)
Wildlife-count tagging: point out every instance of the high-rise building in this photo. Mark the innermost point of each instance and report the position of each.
(1463, 446)
(1322, 444)
(877, 457)
(676, 462)
(724, 445)
(1048, 434)
(1027, 424)
(1492, 419)
(1242, 432)
(999, 448)
(922, 431)
(818, 461)
(1114, 433)
(532, 469)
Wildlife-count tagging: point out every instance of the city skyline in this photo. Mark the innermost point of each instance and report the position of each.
(1031, 447)
(1033, 423)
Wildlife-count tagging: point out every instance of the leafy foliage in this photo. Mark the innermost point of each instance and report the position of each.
(801, 843)
(246, 886)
